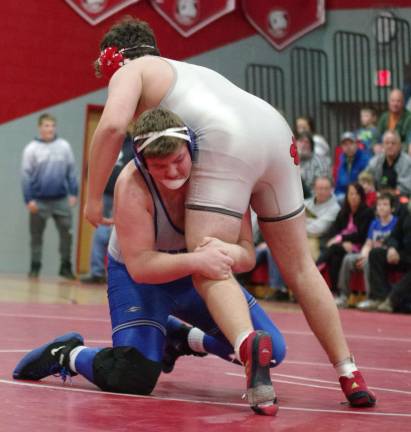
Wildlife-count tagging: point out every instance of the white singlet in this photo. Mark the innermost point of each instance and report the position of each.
(244, 147)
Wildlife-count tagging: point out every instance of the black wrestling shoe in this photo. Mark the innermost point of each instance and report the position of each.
(177, 346)
(49, 359)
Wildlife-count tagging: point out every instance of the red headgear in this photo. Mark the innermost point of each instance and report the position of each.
(110, 60)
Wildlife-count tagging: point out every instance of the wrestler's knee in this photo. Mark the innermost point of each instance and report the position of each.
(125, 370)
(279, 348)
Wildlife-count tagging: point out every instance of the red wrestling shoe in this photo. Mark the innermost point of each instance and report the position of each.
(256, 354)
(356, 391)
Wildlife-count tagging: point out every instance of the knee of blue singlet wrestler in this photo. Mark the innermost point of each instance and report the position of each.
(125, 370)
(261, 321)
(279, 347)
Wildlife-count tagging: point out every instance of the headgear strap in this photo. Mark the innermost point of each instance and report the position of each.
(152, 136)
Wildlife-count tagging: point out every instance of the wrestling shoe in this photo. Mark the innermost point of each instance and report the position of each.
(356, 390)
(177, 346)
(49, 359)
(256, 355)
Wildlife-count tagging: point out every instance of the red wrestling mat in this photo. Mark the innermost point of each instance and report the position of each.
(205, 394)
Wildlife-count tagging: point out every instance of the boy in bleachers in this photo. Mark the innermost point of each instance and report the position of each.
(367, 134)
(378, 231)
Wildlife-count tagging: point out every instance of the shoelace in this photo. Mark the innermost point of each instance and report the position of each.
(64, 374)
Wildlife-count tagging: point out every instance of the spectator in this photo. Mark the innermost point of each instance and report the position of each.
(102, 233)
(366, 180)
(321, 146)
(392, 169)
(321, 211)
(395, 256)
(276, 285)
(378, 231)
(311, 165)
(50, 189)
(353, 160)
(367, 134)
(348, 233)
(396, 118)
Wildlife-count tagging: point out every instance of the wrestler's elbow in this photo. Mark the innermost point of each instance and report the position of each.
(246, 265)
(115, 129)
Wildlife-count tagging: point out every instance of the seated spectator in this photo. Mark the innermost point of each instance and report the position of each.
(320, 211)
(378, 231)
(277, 289)
(348, 233)
(367, 134)
(366, 180)
(321, 146)
(311, 165)
(392, 169)
(396, 255)
(396, 118)
(353, 160)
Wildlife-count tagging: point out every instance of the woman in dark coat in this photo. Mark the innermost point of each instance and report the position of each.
(348, 233)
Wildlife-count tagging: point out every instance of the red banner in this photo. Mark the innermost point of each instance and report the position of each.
(95, 11)
(189, 16)
(281, 22)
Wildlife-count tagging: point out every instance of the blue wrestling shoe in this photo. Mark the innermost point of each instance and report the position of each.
(177, 346)
(49, 359)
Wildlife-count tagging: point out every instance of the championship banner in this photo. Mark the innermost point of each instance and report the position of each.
(189, 16)
(95, 11)
(281, 22)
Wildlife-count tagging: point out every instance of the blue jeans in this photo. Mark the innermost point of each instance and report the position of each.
(100, 240)
(275, 279)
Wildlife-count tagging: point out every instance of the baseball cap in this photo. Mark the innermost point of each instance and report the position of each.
(347, 136)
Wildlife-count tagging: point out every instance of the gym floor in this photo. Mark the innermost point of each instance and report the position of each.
(201, 393)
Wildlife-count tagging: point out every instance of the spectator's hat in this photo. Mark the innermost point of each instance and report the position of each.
(347, 136)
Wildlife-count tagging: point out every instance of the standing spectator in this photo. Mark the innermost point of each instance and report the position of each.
(392, 169)
(396, 256)
(367, 134)
(320, 211)
(311, 165)
(353, 160)
(396, 118)
(348, 232)
(321, 146)
(50, 189)
(102, 233)
(378, 231)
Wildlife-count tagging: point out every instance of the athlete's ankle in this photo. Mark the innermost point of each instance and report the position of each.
(345, 367)
(240, 346)
(195, 340)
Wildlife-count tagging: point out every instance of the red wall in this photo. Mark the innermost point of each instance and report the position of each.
(48, 49)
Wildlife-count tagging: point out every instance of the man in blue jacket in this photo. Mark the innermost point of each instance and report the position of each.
(353, 160)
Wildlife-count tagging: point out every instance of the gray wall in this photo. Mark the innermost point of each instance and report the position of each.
(230, 60)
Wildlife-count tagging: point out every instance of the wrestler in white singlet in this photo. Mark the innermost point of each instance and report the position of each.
(244, 147)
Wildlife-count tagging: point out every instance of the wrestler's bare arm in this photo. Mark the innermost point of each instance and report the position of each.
(243, 253)
(123, 95)
(133, 215)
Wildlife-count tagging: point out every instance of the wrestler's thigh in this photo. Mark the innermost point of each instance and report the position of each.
(200, 224)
